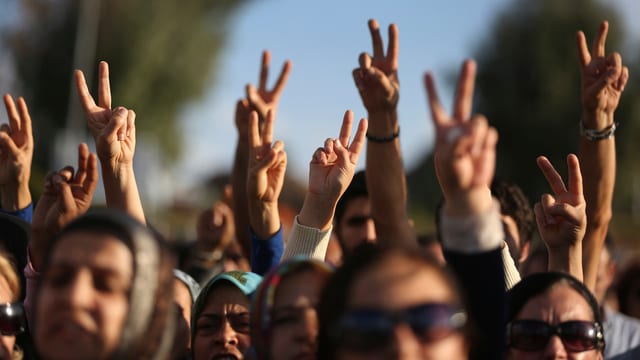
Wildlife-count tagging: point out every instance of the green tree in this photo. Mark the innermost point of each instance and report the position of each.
(528, 86)
(162, 53)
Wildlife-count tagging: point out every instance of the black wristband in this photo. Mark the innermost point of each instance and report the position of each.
(382, 140)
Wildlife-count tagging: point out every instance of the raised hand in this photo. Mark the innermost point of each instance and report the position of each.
(215, 228)
(16, 155)
(330, 172)
(561, 217)
(263, 100)
(113, 130)
(377, 76)
(603, 79)
(465, 148)
(332, 166)
(67, 195)
(267, 167)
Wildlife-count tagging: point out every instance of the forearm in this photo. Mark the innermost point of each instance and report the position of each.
(121, 190)
(15, 197)
(386, 180)
(317, 212)
(568, 260)
(598, 165)
(240, 202)
(264, 219)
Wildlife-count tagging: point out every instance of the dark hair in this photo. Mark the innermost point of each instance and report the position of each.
(629, 276)
(357, 188)
(514, 203)
(539, 283)
(334, 299)
(146, 334)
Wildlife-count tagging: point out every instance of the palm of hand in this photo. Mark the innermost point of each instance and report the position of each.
(330, 178)
(118, 151)
(564, 232)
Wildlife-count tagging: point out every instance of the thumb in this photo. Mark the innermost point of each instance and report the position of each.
(116, 127)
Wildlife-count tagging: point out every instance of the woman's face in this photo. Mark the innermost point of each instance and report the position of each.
(558, 305)
(6, 341)
(84, 297)
(393, 286)
(222, 327)
(294, 321)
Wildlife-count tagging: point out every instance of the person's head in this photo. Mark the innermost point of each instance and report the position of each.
(628, 289)
(220, 317)
(353, 221)
(284, 321)
(391, 303)
(14, 237)
(12, 320)
(553, 315)
(106, 291)
(517, 217)
(185, 292)
(606, 270)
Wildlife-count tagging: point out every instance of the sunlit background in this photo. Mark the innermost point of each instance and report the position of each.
(183, 65)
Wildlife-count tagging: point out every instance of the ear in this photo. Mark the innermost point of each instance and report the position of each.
(524, 252)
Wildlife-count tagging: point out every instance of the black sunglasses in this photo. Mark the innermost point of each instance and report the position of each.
(367, 330)
(534, 335)
(12, 319)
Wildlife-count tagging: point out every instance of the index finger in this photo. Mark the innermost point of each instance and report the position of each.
(464, 91)
(553, 178)
(267, 128)
(358, 138)
(600, 40)
(12, 113)
(345, 129)
(392, 47)
(25, 126)
(583, 49)
(254, 133)
(437, 112)
(376, 39)
(264, 70)
(83, 92)
(575, 176)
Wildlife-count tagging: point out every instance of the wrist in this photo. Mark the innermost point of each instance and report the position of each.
(15, 197)
(472, 202)
(317, 212)
(264, 219)
(596, 120)
(383, 123)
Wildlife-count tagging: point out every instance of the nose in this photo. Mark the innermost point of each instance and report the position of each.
(370, 231)
(308, 326)
(405, 343)
(226, 335)
(79, 290)
(555, 349)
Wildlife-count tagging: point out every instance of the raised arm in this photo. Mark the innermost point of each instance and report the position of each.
(471, 230)
(16, 155)
(262, 100)
(330, 172)
(561, 217)
(377, 83)
(114, 132)
(67, 195)
(603, 80)
(267, 167)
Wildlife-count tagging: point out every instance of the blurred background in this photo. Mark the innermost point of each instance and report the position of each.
(182, 65)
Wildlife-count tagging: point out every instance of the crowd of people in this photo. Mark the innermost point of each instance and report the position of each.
(353, 280)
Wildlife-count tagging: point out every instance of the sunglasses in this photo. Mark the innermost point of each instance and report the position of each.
(12, 319)
(367, 330)
(534, 335)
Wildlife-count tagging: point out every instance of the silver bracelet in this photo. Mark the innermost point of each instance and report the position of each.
(596, 135)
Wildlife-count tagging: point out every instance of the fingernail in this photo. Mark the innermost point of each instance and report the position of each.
(121, 137)
(371, 71)
(120, 111)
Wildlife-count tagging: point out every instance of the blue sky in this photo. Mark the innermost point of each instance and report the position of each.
(324, 39)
